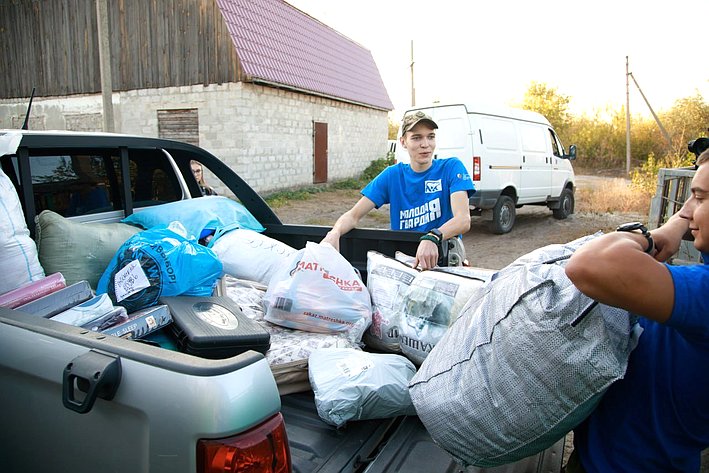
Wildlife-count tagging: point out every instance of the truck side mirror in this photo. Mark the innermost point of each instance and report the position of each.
(572, 153)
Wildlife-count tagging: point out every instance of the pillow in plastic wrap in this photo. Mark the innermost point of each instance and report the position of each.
(356, 385)
(318, 290)
(249, 255)
(432, 303)
(528, 359)
(387, 280)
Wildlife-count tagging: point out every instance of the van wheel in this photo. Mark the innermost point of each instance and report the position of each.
(566, 205)
(503, 215)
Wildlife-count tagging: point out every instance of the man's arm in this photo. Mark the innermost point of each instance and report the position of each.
(348, 221)
(427, 252)
(615, 270)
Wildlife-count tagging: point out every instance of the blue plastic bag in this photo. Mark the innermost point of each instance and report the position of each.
(198, 215)
(162, 261)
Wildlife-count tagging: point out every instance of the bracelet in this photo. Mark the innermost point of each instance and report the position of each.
(430, 237)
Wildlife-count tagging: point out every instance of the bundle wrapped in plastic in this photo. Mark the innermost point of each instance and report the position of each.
(162, 261)
(318, 290)
(432, 303)
(356, 385)
(387, 281)
(528, 359)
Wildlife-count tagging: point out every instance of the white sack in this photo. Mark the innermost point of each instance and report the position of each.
(249, 255)
(18, 253)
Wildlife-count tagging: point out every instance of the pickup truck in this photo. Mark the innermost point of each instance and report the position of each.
(156, 410)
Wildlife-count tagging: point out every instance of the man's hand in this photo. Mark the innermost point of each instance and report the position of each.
(426, 255)
(668, 237)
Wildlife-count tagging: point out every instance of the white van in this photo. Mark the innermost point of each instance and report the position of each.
(513, 156)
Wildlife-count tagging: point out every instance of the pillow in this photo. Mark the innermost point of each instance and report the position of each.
(249, 255)
(209, 212)
(80, 251)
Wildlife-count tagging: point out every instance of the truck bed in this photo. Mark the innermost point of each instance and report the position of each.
(396, 445)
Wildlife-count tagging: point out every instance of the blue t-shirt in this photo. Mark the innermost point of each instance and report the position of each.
(656, 419)
(419, 201)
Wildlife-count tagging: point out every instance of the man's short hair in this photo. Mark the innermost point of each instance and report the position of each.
(703, 158)
(414, 118)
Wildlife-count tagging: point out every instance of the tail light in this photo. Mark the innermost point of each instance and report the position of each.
(263, 449)
(476, 168)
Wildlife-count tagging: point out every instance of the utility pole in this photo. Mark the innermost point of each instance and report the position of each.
(629, 75)
(627, 117)
(104, 57)
(413, 90)
(657, 119)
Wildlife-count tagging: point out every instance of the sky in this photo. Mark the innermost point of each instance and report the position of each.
(491, 51)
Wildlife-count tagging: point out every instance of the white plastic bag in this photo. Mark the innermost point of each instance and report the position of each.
(318, 290)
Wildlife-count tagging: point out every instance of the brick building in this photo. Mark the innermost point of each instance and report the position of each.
(280, 97)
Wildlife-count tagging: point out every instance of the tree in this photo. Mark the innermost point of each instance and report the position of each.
(549, 102)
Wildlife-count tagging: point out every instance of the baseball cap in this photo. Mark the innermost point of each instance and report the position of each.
(413, 118)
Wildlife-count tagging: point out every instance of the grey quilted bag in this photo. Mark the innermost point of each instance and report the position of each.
(528, 359)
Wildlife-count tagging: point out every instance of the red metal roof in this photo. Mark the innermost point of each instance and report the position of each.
(277, 43)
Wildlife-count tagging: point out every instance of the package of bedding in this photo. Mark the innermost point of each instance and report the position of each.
(290, 348)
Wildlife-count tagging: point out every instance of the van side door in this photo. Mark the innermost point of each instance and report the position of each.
(536, 163)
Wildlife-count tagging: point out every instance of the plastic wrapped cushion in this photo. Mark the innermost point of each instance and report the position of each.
(356, 385)
(290, 348)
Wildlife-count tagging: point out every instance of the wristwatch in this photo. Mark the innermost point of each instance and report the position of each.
(632, 227)
(437, 233)
(434, 236)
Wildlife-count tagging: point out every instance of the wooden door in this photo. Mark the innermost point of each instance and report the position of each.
(319, 152)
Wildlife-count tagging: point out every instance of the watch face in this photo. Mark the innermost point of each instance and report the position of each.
(629, 227)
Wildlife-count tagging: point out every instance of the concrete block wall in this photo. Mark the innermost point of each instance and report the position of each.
(262, 133)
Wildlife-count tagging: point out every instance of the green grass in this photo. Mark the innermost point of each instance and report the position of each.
(281, 198)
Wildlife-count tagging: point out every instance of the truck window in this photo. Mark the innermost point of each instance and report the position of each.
(73, 184)
(556, 147)
(82, 182)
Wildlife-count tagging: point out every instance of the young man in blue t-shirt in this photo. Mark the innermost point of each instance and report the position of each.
(656, 419)
(426, 195)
